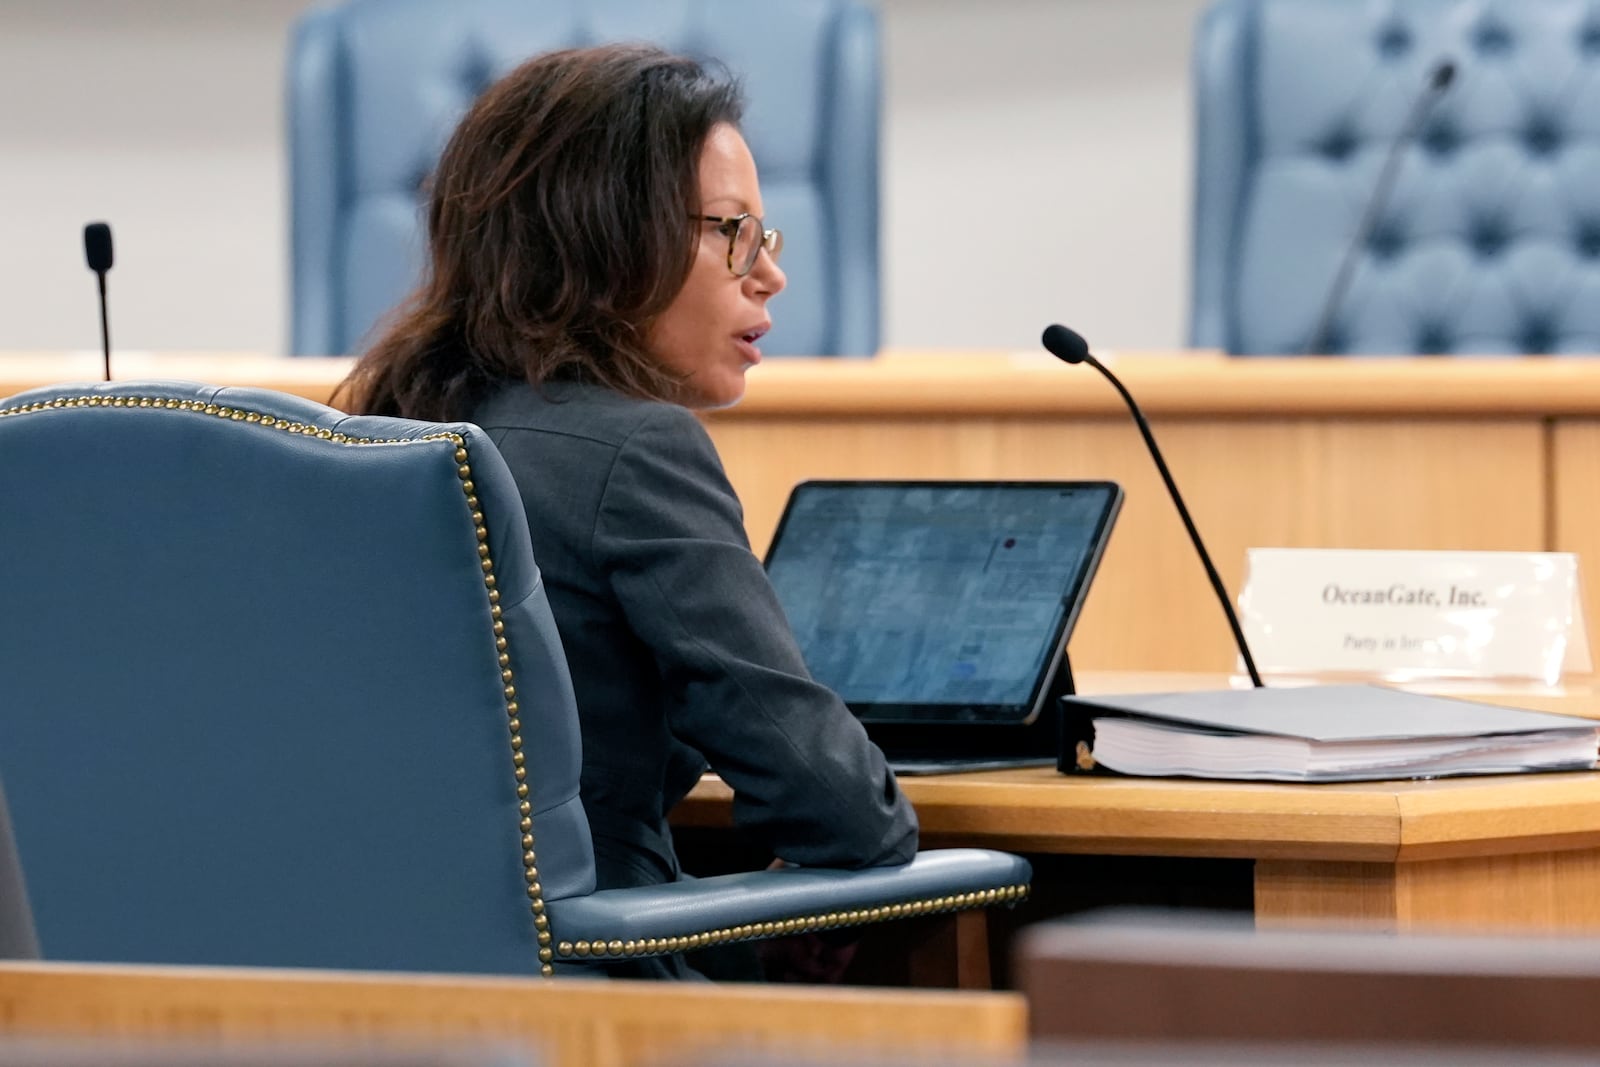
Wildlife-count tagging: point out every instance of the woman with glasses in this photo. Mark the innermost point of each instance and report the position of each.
(599, 268)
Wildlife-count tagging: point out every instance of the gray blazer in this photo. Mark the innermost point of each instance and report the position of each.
(677, 644)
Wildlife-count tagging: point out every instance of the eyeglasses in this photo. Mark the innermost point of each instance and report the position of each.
(747, 235)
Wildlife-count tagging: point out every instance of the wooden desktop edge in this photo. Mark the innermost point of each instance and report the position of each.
(900, 383)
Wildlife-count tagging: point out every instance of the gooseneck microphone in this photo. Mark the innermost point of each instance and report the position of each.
(1439, 79)
(97, 250)
(1070, 347)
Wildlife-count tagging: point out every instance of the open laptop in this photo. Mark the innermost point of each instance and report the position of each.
(940, 611)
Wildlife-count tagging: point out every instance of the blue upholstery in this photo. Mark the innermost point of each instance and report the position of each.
(376, 86)
(1491, 242)
(256, 710)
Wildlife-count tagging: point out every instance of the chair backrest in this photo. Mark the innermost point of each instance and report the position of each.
(1491, 240)
(376, 86)
(1176, 977)
(281, 686)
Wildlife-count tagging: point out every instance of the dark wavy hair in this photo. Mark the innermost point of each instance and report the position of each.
(558, 229)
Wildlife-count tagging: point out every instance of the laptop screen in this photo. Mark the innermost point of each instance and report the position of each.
(938, 601)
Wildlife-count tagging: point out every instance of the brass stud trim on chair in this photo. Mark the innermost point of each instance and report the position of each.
(530, 869)
(481, 534)
(800, 924)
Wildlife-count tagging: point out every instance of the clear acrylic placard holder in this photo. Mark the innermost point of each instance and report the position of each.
(1444, 621)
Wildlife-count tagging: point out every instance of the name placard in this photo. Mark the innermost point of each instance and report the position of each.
(1410, 614)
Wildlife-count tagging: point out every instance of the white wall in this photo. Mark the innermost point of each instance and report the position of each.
(1036, 168)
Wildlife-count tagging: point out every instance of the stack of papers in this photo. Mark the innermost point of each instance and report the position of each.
(1131, 746)
(1328, 734)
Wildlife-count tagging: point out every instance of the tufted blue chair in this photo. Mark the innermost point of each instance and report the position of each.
(376, 86)
(1491, 241)
(282, 688)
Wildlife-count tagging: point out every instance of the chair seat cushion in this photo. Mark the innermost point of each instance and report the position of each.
(653, 920)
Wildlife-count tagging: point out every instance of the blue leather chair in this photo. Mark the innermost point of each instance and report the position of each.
(281, 687)
(376, 86)
(1491, 241)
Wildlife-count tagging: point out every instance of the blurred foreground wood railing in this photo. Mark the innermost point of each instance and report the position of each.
(1197, 978)
(565, 1022)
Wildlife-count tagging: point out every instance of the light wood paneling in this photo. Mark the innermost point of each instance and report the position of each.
(1294, 892)
(1249, 483)
(567, 1023)
(1369, 454)
(1526, 891)
(1575, 505)
(1558, 890)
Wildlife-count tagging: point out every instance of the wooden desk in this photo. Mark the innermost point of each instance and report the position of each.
(1405, 453)
(1516, 851)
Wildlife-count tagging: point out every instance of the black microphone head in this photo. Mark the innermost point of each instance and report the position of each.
(1443, 74)
(97, 246)
(1066, 345)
